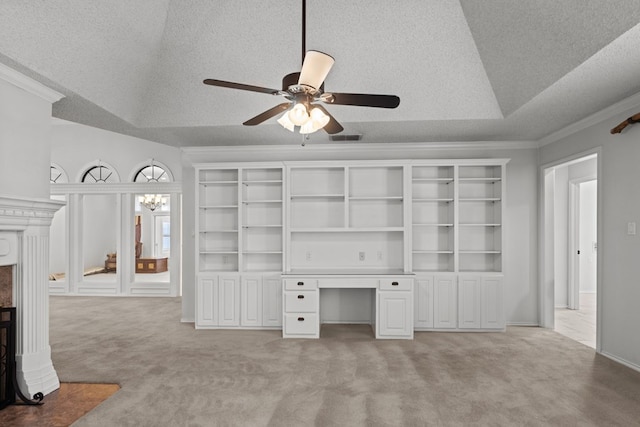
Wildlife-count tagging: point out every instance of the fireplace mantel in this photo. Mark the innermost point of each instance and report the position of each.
(18, 213)
(24, 243)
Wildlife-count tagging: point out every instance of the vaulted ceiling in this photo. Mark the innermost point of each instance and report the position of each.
(464, 70)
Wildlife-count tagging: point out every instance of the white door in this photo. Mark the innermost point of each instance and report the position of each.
(162, 236)
(492, 298)
(207, 302)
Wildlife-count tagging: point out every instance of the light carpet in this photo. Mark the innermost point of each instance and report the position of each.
(173, 375)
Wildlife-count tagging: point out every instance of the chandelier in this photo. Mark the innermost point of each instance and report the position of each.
(152, 201)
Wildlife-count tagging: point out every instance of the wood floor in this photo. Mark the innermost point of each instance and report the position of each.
(61, 408)
(579, 325)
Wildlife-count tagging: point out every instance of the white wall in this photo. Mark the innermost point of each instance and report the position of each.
(100, 233)
(520, 224)
(561, 236)
(73, 146)
(25, 120)
(618, 252)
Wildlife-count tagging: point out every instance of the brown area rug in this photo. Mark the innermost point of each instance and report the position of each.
(61, 408)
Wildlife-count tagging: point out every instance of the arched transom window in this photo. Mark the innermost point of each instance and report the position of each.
(57, 176)
(152, 173)
(99, 173)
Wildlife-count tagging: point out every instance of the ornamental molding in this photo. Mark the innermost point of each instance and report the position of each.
(17, 213)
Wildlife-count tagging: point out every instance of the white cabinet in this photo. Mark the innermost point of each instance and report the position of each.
(251, 291)
(206, 301)
(469, 304)
(228, 300)
(481, 302)
(395, 315)
(492, 303)
(272, 301)
(423, 302)
(232, 300)
(301, 318)
(445, 302)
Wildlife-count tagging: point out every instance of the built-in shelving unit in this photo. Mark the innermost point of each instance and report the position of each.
(348, 217)
(437, 224)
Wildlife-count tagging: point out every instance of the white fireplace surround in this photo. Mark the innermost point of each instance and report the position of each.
(24, 243)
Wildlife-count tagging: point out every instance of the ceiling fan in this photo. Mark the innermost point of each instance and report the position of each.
(304, 91)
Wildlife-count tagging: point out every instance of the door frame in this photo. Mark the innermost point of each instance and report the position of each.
(546, 305)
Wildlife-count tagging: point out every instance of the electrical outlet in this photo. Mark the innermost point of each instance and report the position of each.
(308, 256)
(361, 256)
(225, 259)
(379, 255)
(631, 228)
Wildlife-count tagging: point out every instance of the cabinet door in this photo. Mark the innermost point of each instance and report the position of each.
(206, 301)
(445, 302)
(251, 301)
(228, 300)
(492, 302)
(469, 304)
(423, 302)
(272, 301)
(395, 315)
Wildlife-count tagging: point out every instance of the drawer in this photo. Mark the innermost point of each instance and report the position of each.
(300, 284)
(396, 284)
(300, 324)
(302, 301)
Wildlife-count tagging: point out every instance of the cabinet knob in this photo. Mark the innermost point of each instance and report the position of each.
(300, 319)
(300, 283)
(300, 296)
(394, 283)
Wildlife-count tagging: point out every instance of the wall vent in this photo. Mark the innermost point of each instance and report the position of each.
(352, 137)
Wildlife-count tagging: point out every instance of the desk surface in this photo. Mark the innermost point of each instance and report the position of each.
(346, 273)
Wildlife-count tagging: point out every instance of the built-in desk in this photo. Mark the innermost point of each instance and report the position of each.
(393, 307)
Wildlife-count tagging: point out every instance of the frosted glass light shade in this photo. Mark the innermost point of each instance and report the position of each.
(286, 123)
(315, 68)
(298, 115)
(317, 120)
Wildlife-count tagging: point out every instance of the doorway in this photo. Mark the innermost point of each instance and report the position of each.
(570, 249)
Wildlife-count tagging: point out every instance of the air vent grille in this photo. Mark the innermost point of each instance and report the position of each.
(352, 137)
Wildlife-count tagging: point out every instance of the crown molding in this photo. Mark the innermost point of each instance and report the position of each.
(28, 84)
(117, 188)
(597, 117)
(351, 148)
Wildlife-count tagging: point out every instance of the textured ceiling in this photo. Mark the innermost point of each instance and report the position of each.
(464, 70)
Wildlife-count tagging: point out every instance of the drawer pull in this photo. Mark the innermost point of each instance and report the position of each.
(300, 283)
(394, 283)
(300, 319)
(300, 296)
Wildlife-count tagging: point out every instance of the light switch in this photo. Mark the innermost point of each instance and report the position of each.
(631, 228)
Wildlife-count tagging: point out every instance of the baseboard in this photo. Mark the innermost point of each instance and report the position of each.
(528, 324)
(188, 320)
(621, 361)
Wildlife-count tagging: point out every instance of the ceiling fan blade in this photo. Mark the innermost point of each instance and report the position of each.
(267, 114)
(333, 126)
(315, 68)
(363, 100)
(232, 85)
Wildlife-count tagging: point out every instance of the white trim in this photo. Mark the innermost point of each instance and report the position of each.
(524, 324)
(597, 117)
(119, 187)
(28, 84)
(621, 361)
(194, 152)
